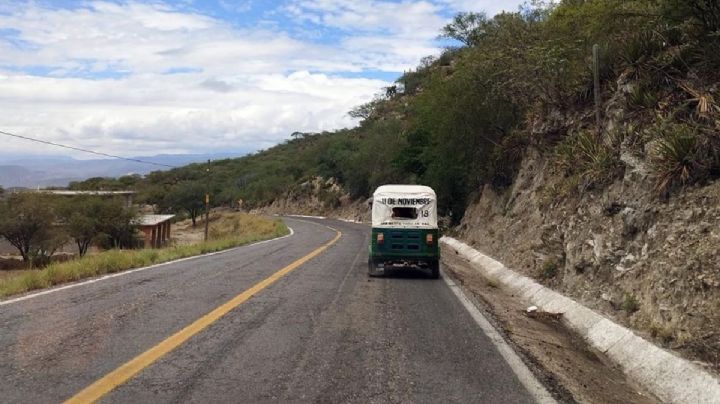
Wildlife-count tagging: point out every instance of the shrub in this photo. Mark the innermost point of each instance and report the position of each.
(662, 331)
(329, 199)
(676, 158)
(642, 97)
(492, 282)
(585, 155)
(630, 304)
(639, 48)
(549, 269)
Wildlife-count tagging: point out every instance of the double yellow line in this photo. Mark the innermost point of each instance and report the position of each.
(128, 370)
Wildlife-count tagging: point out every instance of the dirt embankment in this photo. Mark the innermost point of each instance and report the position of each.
(651, 264)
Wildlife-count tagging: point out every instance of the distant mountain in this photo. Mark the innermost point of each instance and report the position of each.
(44, 171)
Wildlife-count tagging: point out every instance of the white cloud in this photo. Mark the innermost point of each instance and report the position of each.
(142, 115)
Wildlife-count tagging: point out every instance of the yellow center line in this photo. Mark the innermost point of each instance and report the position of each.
(128, 370)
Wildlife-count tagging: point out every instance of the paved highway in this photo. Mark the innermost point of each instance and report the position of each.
(321, 332)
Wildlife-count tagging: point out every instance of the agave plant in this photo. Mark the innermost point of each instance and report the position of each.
(676, 159)
(584, 154)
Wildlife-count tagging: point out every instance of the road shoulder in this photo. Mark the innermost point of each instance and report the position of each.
(570, 369)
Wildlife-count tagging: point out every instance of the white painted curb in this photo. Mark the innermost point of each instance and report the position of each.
(671, 378)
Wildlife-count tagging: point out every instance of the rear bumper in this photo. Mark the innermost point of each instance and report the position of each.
(404, 261)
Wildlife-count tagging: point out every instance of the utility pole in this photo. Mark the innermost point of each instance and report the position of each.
(207, 200)
(596, 85)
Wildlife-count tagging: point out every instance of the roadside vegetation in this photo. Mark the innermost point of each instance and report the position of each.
(38, 225)
(228, 231)
(463, 120)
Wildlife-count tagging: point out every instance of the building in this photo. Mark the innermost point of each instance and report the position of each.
(155, 229)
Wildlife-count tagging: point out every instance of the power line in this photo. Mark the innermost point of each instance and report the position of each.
(84, 150)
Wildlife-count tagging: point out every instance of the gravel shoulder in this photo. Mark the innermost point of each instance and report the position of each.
(571, 370)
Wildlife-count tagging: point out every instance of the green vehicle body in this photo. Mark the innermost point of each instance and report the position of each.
(404, 245)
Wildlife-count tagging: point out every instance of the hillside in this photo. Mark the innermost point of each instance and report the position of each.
(465, 119)
(59, 171)
(624, 215)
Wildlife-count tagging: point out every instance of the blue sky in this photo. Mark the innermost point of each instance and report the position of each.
(135, 78)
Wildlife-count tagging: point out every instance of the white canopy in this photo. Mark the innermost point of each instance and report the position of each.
(410, 206)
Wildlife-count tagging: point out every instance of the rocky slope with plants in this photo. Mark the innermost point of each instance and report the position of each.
(649, 264)
(625, 217)
(319, 197)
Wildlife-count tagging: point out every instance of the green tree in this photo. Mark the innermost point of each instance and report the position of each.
(117, 223)
(466, 28)
(127, 182)
(365, 111)
(82, 229)
(704, 15)
(28, 222)
(185, 196)
(86, 219)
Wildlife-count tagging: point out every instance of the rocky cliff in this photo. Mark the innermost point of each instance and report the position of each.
(648, 262)
(319, 197)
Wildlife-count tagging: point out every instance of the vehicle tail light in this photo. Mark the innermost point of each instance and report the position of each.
(380, 238)
(429, 239)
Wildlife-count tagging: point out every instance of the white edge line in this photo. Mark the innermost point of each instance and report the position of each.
(130, 271)
(307, 216)
(526, 377)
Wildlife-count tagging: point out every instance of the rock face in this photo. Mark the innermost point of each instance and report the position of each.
(320, 197)
(651, 264)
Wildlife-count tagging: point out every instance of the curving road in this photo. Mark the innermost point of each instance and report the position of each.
(323, 332)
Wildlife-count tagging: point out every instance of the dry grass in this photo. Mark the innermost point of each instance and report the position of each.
(229, 231)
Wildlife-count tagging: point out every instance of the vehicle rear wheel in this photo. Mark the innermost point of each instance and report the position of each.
(434, 269)
(373, 268)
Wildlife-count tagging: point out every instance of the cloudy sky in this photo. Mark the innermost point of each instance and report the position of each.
(195, 76)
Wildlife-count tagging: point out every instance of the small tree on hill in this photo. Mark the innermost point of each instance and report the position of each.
(465, 27)
(117, 223)
(27, 221)
(88, 219)
(367, 110)
(187, 196)
(82, 229)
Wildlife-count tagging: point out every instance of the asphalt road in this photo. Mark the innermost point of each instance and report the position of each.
(324, 332)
